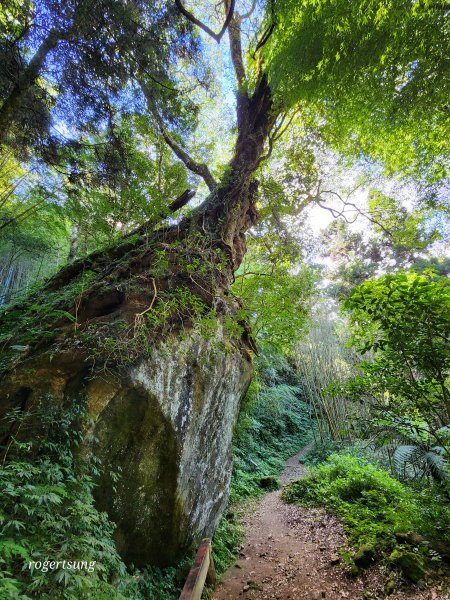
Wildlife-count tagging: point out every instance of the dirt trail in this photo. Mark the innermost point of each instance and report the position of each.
(290, 552)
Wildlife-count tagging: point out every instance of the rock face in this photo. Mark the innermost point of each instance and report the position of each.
(164, 426)
(169, 431)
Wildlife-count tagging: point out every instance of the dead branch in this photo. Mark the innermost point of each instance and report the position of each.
(346, 204)
(139, 317)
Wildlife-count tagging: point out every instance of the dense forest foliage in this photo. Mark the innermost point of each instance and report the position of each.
(275, 171)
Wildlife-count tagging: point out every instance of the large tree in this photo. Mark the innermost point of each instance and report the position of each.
(358, 73)
(147, 328)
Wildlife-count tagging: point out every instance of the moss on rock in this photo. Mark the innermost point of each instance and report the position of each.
(364, 556)
(410, 564)
(269, 482)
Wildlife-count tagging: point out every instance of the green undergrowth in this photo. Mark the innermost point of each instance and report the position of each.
(273, 425)
(320, 450)
(47, 513)
(374, 508)
(23, 324)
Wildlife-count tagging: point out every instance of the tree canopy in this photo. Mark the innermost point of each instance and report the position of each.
(375, 71)
(112, 112)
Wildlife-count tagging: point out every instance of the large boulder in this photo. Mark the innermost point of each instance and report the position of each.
(167, 433)
(162, 428)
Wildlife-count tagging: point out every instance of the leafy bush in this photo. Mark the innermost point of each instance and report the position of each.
(372, 505)
(227, 538)
(403, 320)
(159, 584)
(47, 513)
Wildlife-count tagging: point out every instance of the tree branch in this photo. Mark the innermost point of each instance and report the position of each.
(253, 273)
(277, 132)
(336, 213)
(264, 38)
(248, 14)
(200, 169)
(353, 207)
(234, 36)
(234, 33)
(11, 105)
(193, 19)
(181, 200)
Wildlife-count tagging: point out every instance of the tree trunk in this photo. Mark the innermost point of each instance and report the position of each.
(230, 211)
(73, 249)
(13, 103)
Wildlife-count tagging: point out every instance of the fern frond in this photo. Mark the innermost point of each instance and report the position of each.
(406, 454)
(436, 464)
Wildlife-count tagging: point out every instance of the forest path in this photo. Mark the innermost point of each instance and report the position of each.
(287, 552)
(290, 552)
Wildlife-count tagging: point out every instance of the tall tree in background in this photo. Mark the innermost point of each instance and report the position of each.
(396, 239)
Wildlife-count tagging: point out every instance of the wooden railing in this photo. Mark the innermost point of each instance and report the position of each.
(202, 571)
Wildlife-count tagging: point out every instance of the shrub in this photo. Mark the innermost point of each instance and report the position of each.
(47, 512)
(227, 538)
(320, 450)
(402, 322)
(372, 505)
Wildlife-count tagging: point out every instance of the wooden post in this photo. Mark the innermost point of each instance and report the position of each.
(202, 570)
(211, 577)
